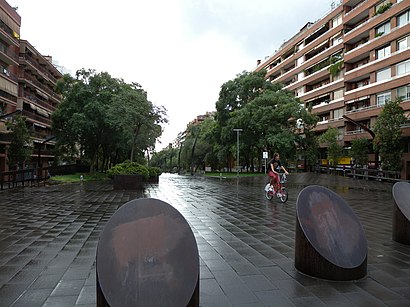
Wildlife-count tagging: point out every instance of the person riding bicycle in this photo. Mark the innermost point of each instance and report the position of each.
(274, 166)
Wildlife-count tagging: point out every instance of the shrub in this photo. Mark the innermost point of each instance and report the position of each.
(128, 168)
(154, 171)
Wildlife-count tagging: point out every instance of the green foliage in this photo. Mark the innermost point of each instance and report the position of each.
(388, 135)
(21, 147)
(334, 150)
(335, 68)
(266, 113)
(103, 120)
(128, 168)
(272, 119)
(383, 8)
(77, 177)
(360, 150)
(154, 171)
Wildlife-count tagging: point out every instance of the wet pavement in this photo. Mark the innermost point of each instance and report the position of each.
(49, 235)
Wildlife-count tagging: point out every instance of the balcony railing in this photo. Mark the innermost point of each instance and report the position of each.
(371, 41)
(39, 102)
(323, 87)
(40, 68)
(40, 85)
(8, 52)
(361, 109)
(356, 7)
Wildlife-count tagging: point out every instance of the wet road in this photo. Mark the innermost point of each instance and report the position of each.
(48, 239)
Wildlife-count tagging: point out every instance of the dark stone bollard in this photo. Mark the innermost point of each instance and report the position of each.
(128, 182)
(401, 212)
(147, 256)
(329, 240)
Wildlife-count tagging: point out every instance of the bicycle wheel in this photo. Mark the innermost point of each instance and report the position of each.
(268, 195)
(283, 195)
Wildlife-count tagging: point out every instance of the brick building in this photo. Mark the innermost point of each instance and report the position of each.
(27, 87)
(347, 64)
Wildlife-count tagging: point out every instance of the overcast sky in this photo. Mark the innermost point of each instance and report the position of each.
(180, 51)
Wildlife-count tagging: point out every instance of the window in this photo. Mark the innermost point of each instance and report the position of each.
(337, 40)
(338, 113)
(404, 92)
(300, 91)
(403, 68)
(383, 29)
(383, 52)
(383, 74)
(338, 94)
(403, 19)
(301, 60)
(337, 20)
(383, 98)
(404, 43)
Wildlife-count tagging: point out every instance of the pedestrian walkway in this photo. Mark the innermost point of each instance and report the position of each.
(48, 239)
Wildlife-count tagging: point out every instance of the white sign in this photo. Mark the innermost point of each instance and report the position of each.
(265, 155)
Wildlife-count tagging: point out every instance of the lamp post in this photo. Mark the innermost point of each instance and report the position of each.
(237, 152)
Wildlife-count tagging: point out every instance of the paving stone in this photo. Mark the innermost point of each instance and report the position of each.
(49, 236)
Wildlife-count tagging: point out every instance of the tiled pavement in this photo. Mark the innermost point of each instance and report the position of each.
(48, 239)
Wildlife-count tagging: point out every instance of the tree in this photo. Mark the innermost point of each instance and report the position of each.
(104, 120)
(360, 151)
(136, 116)
(266, 113)
(334, 150)
(388, 135)
(21, 147)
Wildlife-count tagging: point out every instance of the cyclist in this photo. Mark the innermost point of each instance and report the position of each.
(274, 166)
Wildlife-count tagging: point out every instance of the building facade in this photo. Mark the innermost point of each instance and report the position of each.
(347, 65)
(27, 87)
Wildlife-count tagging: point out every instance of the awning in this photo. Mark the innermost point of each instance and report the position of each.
(317, 97)
(42, 112)
(38, 125)
(41, 94)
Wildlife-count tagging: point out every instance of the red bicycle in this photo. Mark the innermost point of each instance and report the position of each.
(281, 193)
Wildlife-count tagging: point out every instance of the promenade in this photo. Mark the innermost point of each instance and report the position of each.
(49, 235)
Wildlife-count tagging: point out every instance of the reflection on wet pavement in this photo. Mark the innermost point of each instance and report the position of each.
(48, 239)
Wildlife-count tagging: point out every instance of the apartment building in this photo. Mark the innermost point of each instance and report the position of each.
(37, 99)
(347, 64)
(27, 87)
(9, 56)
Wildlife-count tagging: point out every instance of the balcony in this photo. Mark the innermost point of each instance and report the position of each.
(328, 87)
(41, 119)
(357, 12)
(8, 35)
(26, 77)
(40, 69)
(365, 48)
(7, 56)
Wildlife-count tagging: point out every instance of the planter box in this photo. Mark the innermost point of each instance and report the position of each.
(128, 182)
(153, 179)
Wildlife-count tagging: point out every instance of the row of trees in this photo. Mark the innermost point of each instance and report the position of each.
(103, 121)
(273, 120)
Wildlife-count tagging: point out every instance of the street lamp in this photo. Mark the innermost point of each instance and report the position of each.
(237, 152)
